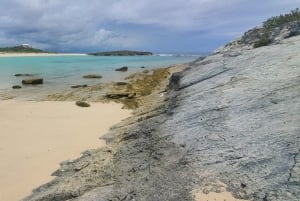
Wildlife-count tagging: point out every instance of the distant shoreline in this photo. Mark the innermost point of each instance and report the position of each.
(17, 54)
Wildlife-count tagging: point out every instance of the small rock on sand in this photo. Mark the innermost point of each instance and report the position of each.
(118, 95)
(79, 86)
(16, 87)
(82, 104)
(121, 83)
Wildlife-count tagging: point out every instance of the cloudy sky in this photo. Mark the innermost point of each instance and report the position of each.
(152, 25)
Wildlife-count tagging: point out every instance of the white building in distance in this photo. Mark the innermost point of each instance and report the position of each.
(26, 46)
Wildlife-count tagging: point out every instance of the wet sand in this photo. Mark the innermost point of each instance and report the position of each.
(36, 136)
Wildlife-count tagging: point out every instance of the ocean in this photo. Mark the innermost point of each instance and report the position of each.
(61, 72)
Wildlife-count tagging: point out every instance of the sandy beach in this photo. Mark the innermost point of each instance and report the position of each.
(7, 54)
(36, 136)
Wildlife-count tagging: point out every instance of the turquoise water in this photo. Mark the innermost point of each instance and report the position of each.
(61, 72)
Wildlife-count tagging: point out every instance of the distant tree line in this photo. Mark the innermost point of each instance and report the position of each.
(21, 49)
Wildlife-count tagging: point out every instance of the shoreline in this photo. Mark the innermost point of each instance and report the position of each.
(8, 54)
(19, 117)
(37, 136)
(146, 104)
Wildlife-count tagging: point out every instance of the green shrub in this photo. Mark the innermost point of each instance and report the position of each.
(275, 22)
(278, 21)
(263, 41)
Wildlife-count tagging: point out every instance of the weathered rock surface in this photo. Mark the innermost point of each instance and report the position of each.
(33, 81)
(230, 118)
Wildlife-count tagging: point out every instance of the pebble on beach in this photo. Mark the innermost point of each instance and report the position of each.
(82, 104)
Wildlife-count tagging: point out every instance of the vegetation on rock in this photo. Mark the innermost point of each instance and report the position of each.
(263, 41)
(273, 23)
(280, 20)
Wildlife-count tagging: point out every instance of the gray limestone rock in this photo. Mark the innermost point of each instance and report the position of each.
(225, 119)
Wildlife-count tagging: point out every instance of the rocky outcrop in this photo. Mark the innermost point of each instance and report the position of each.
(231, 119)
(22, 74)
(79, 86)
(92, 76)
(122, 69)
(33, 81)
(260, 36)
(16, 87)
(276, 35)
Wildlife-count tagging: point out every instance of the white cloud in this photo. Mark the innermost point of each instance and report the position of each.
(127, 23)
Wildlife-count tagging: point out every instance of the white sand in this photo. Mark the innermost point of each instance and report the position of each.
(6, 54)
(36, 136)
(223, 195)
